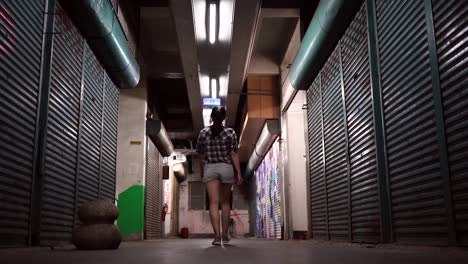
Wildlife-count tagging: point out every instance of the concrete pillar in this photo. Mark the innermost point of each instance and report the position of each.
(131, 161)
(295, 169)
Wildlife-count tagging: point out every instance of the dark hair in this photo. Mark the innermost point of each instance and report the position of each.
(217, 116)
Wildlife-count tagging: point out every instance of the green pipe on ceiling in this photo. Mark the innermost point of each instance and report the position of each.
(330, 21)
(100, 26)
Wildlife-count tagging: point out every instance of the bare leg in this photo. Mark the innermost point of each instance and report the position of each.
(213, 194)
(226, 206)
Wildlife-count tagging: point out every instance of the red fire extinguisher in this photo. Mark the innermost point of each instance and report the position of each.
(184, 232)
(164, 212)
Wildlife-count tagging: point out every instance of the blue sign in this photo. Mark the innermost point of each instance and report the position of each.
(212, 101)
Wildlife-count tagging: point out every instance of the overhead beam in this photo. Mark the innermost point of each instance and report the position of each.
(246, 16)
(183, 21)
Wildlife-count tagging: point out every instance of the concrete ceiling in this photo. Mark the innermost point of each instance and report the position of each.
(174, 55)
(160, 54)
(184, 24)
(276, 28)
(246, 16)
(171, 65)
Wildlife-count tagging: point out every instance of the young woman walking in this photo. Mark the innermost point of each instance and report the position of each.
(218, 149)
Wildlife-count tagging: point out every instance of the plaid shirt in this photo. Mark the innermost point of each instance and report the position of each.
(218, 149)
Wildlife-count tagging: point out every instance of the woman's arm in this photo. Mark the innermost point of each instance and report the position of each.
(235, 160)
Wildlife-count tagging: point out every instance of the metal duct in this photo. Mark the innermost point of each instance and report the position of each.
(330, 21)
(157, 133)
(180, 171)
(269, 134)
(99, 24)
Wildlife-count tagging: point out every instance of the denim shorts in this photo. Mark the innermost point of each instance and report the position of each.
(218, 171)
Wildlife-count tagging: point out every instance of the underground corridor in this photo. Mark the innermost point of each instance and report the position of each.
(343, 123)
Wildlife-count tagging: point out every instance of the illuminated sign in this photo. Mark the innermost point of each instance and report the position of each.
(212, 101)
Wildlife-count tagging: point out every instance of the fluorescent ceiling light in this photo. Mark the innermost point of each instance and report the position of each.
(223, 85)
(212, 23)
(214, 88)
(206, 116)
(199, 12)
(204, 85)
(226, 8)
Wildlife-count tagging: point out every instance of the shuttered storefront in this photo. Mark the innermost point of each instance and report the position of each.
(342, 155)
(417, 199)
(335, 149)
(318, 184)
(67, 154)
(451, 33)
(365, 213)
(154, 193)
(58, 195)
(421, 46)
(91, 129)
(21, 25)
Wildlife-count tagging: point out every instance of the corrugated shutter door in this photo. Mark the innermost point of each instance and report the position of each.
(335, 149)
(412, 150)
(318, 195)
(21, 24)
(89, 165)
(451, 29)
(364, 181)
(153, 205)
(109, 139)
(58, 197)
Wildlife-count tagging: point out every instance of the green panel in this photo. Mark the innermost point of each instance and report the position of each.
(131, 205)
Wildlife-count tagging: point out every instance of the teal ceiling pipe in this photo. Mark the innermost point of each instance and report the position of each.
(100, 26)
(330, 21)
(268, 136)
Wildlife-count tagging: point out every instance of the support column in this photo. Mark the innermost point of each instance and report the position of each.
(131, 161)
(41, 124)
(379, 122)
(440, 121)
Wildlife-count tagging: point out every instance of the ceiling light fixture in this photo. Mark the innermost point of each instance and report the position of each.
(212, 23)
(226, 8)
(204, 85)
(214, 88)
(199, 12)
(223, 85)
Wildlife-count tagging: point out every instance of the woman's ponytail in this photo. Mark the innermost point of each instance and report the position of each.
(217, 116)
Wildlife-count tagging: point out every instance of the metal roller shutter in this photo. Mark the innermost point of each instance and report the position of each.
(21, 25)
(58, 196)
(109, 139)
(451, 29)
(318, 193)
(364, 181)
(412, 150)
(153, 205)
(90, 145)
(335, 149)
